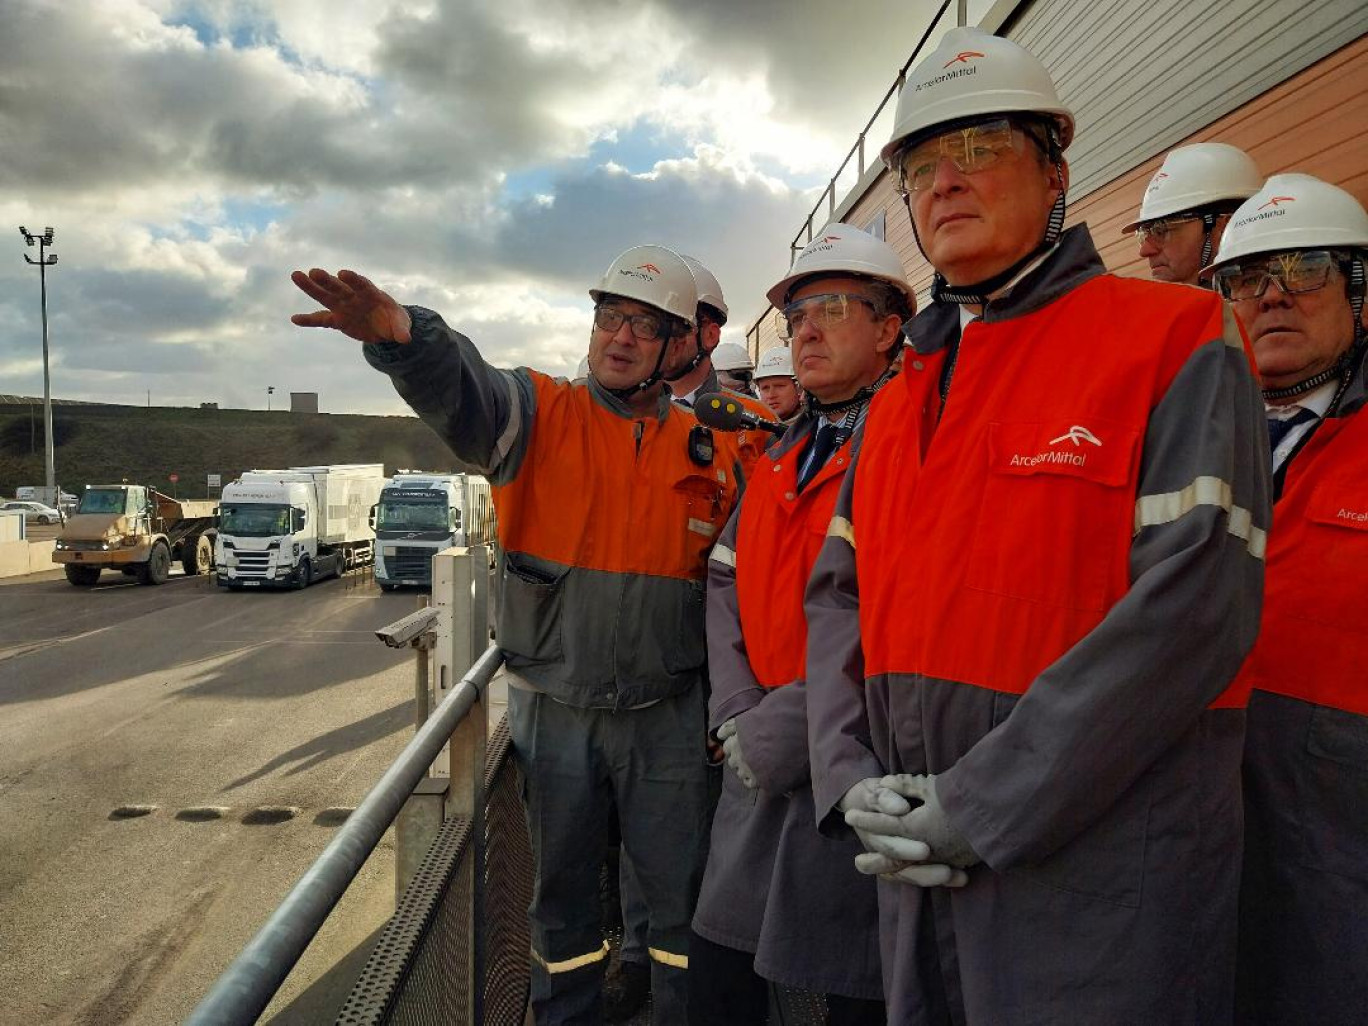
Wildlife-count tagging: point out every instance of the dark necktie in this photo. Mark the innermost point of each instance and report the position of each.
(823, 445)
(1278, 428)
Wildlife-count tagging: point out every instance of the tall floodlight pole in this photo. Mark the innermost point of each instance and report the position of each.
(44, 262)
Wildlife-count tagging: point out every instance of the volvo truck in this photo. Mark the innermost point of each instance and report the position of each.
(418, 515)
(138, 531)
(289, 528)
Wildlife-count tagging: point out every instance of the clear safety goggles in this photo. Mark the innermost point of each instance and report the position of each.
(821, 311)
(646, 327)
(1295, 271)
(971, 150)
(1160, 229)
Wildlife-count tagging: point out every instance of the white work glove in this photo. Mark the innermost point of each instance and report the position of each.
(901, 842)
(869, 798)
(731, 747)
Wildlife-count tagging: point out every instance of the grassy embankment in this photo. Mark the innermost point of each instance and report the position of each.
(104, 444)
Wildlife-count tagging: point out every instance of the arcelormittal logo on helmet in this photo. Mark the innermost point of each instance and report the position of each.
(646, 272)
(1273, 208)
(1154, 182)
(964, 66)
(820, 245)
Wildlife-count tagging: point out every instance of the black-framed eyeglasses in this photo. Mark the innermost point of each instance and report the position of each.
(822, 311)
(1161, 228)
(1303, 270)
(645, 327)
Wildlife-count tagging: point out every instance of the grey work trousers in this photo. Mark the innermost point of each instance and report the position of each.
(577, 764)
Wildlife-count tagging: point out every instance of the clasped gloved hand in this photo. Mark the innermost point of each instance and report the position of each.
(910, 844)
(731, 747)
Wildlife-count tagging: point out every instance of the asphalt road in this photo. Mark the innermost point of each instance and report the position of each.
(246, 723)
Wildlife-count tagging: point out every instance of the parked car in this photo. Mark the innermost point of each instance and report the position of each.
(34, 512)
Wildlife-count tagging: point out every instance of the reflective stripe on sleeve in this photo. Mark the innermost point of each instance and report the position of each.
(514, 425)
(1154, 510)
(840, 527)
(666, 958)
(722, 554)
(571, 964)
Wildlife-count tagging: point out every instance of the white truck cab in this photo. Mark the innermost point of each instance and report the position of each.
(288, 528)
(420, 514)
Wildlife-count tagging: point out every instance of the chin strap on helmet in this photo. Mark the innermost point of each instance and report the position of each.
(820, 409)
(698, 357)
(1208, 228)
(669, 327)
(1348, 364)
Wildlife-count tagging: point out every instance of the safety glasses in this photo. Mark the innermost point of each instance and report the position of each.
(1295, 271)
(1159, 230)
(644, 326)
(971, 150)
(821, 311)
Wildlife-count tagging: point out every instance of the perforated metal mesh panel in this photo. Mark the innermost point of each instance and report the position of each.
(418, 973)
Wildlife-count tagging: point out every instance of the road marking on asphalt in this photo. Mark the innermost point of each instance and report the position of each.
(132, 811)
(262, 815)
(266, 814)
(203, 813)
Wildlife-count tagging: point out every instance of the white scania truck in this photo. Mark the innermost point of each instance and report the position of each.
(420, 514)
(288, 528)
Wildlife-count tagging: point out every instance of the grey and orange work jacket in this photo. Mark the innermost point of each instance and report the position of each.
(605, 518)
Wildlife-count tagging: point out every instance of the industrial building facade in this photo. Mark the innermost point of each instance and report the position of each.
(1284, 80)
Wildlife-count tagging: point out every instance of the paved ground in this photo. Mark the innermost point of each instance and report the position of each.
(208, 707)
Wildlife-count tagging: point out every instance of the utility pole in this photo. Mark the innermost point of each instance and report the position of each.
(43, 263)
(270, 391)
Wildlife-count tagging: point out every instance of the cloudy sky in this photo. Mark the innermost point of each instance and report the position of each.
(487, 158)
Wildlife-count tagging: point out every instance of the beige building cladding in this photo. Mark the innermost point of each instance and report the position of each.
(1281, 79)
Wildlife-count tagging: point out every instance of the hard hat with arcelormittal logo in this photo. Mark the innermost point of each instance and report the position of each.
(974, 74)
(653, 275)
(1197, 176)
(1293, 212)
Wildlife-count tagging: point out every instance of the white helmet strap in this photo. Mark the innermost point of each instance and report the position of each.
(1345, 367)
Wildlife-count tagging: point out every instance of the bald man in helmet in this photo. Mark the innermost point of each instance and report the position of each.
(609, 498)
(1040, 579)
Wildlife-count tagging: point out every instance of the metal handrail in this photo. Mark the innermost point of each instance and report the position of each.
(829, 193)
(246, 987)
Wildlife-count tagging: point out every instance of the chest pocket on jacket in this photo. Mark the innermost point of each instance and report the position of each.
(530, 601)
(1054, 524)
(706, 503)
(1336, 553)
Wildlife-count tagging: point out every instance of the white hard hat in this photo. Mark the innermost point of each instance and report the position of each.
(709, 291)
(1195, 176)
(842, 249)
(775, 362)
(1293, 212)
(731, 357)
(653, 275)
(974, 74)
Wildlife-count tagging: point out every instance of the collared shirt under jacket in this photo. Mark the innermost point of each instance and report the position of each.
(1040, 591)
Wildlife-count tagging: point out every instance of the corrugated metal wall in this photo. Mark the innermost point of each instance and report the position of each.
(1141, 75)
(1287, 82)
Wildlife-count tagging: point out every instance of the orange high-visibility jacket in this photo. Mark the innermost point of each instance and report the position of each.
(1312, 644)
(779, 533)
(604, 518)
